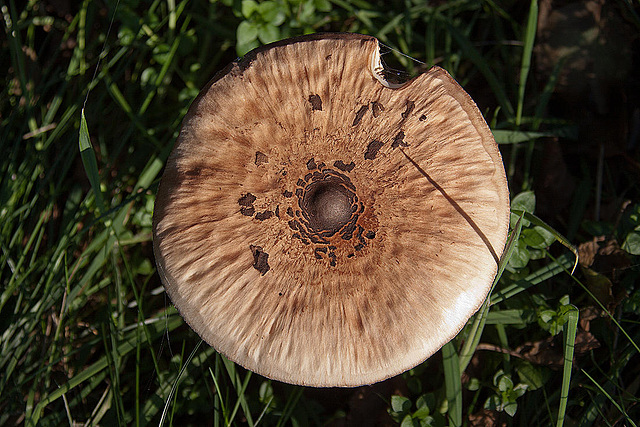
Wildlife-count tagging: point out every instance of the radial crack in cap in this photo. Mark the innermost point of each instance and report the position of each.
(321, 226)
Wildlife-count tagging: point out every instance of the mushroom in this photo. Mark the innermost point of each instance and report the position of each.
(322, 227)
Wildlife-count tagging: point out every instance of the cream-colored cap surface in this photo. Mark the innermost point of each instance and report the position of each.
(321, 226)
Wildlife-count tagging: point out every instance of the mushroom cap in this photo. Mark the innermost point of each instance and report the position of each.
(323, 227)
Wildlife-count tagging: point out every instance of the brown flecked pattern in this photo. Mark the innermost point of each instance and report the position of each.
(437, 224)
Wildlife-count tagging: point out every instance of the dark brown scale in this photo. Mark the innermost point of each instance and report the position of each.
(360, 114)
(247, 200)
(293, 224)
(344, 166)
(332, 259)
(372, 149)
(376, 108)
(347, 233)
(409, 108)
(311, 164)
(398, 141)
(260, 259)
(261, 216)
(261, 158)
(247, 211)
(316, 239)
(316, 102)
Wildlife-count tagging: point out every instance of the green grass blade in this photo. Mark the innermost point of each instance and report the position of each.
(453, 384)
(176, 382)
(264, 411)
(506, 317)
(547, 92)
(292, 402)
(472, 340)
(559, 265)
(90, 164)
(570, 329)
(508, 251)
(127, 345)
(530, 34)
(163, 71)
(240, 386)
(607, 312)
(504, 136)
(611, 399)
(527, 53)
(219, 401)
(475, 56)
(559, 237)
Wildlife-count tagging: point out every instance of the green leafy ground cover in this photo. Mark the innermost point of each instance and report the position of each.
(89, 112)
